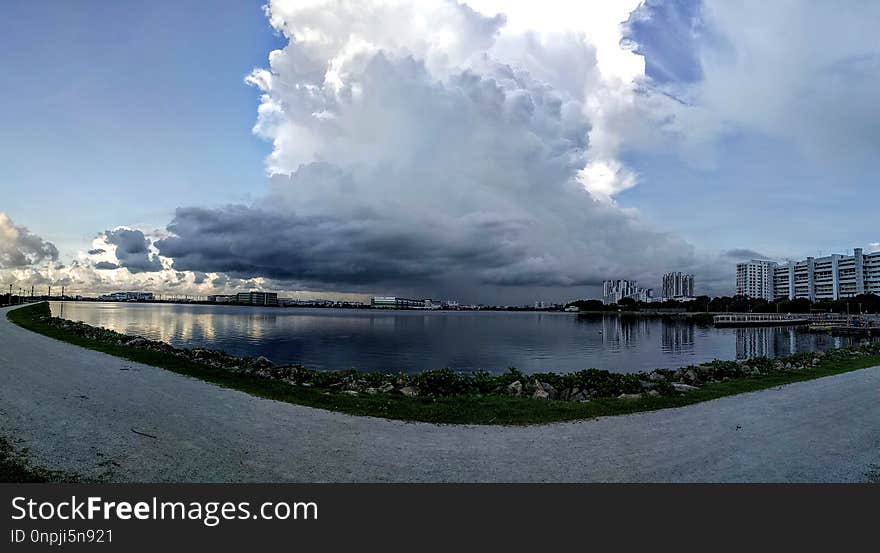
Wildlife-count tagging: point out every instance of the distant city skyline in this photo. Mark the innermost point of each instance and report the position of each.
(488, 151)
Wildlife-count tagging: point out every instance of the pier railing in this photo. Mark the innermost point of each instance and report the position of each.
(760, 318)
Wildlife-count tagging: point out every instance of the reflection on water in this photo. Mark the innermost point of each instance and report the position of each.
(782, 341)
(416, 340)
(678, 337)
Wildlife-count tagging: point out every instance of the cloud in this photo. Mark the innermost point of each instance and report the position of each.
(132, 250)
(817, 86)
(409, 153)
(106, 266)
(804, 73)
(743, 254)
(97, 251)
(21, 248)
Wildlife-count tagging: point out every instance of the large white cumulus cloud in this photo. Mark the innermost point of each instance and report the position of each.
(413, 143)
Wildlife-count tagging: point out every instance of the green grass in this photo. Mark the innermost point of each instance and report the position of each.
(449, 410)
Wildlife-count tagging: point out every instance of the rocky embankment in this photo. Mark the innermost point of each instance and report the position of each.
(580, 386)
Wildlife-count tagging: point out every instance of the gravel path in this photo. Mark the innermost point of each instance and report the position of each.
(75, 409)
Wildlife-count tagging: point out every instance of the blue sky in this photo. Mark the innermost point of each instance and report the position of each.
(116, 113)
(725, 127)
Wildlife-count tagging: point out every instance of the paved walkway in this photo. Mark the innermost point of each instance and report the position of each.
(75, 409)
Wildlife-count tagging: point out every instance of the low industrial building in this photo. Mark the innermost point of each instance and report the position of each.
(393, 302)
(129, 296)
(269, 299)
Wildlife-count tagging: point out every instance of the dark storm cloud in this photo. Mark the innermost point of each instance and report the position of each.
(106, 266)
(20, 248)
(97, 251)
(133, 250)
(743, 254)
(247, 242)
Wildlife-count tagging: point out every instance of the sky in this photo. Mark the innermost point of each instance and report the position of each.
(486, 151)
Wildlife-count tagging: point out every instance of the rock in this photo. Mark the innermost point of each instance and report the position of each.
(385, 388)
(629, 396)
(819, 354)
(656, 377)
(263, 362)
(549, 389)
(679, 387)
(652, 393)
(372, 391)
(580, 397)
(646, 385)
(409, 391)
(691, 375)
(816, 361)
(542, 390)
(515, 388)
(137, 342)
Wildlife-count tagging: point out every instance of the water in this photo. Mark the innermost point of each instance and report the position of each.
(416, 340)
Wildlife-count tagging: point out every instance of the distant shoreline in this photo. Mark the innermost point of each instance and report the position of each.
(689, 314)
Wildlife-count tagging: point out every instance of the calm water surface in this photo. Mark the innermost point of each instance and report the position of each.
(416, 340)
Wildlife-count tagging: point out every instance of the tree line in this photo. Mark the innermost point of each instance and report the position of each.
(863, 303)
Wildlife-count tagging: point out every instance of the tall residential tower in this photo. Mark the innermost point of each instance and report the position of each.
(678, 285)
(755, 279)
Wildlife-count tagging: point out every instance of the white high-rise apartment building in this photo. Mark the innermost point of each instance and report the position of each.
(678, 285)
(615, 290)
(755, 279)
(814, 278)
(831, 277)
